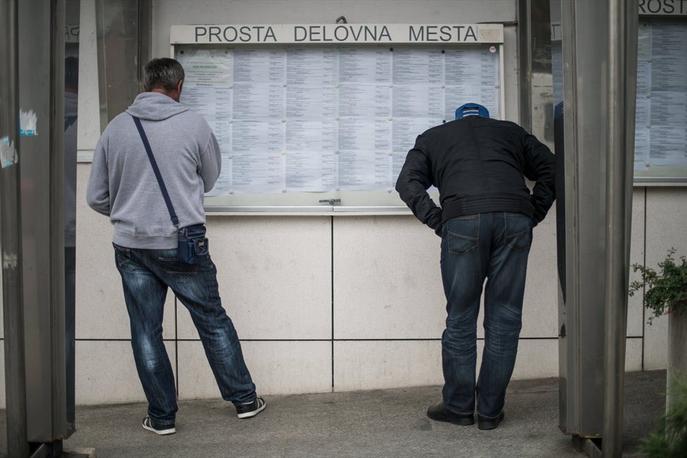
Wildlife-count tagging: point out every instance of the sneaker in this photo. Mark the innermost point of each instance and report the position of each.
(251, 409)
(439, 412)
(486, 423)
(166, 431)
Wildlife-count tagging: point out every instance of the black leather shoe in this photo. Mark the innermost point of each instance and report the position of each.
(486, 423)
(440, 413)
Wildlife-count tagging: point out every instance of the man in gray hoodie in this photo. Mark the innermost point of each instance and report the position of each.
(123, 186)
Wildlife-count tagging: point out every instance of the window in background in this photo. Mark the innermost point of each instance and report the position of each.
(124, 37)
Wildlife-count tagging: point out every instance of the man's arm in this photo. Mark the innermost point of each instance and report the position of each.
(540, 168)
(412, 185)
(98, 191)
(210, 163)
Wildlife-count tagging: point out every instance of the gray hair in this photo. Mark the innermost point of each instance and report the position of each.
(164, 73)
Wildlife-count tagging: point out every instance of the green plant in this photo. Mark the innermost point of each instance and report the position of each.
(670, 439)
(666, 289)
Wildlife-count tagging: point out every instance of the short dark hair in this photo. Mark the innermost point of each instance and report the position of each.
(162, 73)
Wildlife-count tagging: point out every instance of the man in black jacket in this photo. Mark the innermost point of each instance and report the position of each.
(485, 221)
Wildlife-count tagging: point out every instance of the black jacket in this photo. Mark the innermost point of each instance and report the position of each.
(479, 165)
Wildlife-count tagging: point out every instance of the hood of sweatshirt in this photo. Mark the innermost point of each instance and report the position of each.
(154, 106)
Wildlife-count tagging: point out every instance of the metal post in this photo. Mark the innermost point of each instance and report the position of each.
(525, 62)
(534, 49)
(41, 94)
(10, 221)
(584, 27)
(622, 50)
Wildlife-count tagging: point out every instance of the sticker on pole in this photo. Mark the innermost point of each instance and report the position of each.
(8, 154)
(27, 123)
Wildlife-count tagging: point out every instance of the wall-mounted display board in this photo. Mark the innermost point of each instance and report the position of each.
(661, 110)
(661, 115)
(312, 115)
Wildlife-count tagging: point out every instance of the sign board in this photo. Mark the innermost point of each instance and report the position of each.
(337, 34)
(306, 114)
(661, 104)
(662, 7)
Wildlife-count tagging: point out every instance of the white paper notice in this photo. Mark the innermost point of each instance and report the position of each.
(668, 131)
(257, 156)
(418, 100)
(258, 136)
(364, 170)
(311, 171)
(642, 132)
(471, 75)
(455, 96)
(365, 134)
(311, 135)
(208, 89)
(209, 67)
(260, 66)
(365, 66)
(365, 159)
(312, 67)
(365, 100)
(669, 57)
(418, 66)
(259, 101)
(257, 173)
(223, 183)
(311, 158)
(312, 102)
(404, 133)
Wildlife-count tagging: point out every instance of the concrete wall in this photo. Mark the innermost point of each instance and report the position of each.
(328, 303)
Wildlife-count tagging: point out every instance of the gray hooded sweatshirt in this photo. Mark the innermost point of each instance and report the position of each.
(122, 184)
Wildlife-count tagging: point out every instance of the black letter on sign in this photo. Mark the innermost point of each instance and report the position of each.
(200, 32)
(299, 28)
(470, 34)
(657, 6)
(416, 35)
(214, 32)
(641, 7)
(245, 33)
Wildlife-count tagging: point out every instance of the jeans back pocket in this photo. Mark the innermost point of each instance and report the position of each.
(462, 234)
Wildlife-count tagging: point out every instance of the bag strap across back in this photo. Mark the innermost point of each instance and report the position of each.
(156, 170)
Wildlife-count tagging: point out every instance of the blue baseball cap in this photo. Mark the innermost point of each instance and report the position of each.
(472, 109)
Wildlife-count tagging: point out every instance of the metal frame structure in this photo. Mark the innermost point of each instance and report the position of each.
(33, 237)
(10, 230)
(598, 139)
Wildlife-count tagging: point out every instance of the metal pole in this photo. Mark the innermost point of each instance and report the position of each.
(525, 62)
(15, 375)
(622, 44)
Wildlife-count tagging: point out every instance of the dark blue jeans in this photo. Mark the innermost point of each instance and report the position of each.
(495, 247)
(146, 275)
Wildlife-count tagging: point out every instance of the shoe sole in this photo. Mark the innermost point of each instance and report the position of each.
(489, 424)
(159, 432)
(252, 413)
(459, 422)
(466, 422)
(487, 427)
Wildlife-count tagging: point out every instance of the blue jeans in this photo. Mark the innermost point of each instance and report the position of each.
(495, 247)
(146, 275)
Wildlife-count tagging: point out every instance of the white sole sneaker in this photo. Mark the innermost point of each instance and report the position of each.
(160, 432)
(261, 406)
